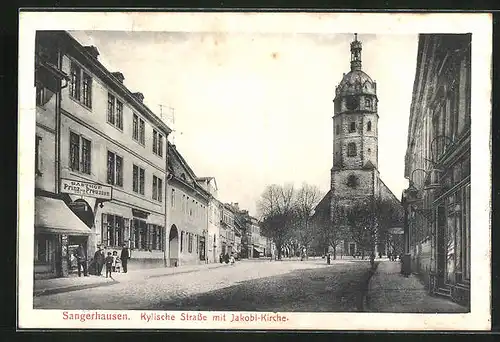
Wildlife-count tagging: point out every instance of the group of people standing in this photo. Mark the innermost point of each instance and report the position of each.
(111, 260)
(227, 258)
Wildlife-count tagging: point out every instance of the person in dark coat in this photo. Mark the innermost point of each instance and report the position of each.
(109, 264)
(124, 256)
(99, 260)
(81, 258)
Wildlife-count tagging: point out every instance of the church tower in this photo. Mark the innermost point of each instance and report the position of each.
(354, 173)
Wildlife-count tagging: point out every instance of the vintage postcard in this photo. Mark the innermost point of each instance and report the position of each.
(270, 171)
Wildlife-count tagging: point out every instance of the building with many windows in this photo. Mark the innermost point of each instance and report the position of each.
(187, 215)
(109, 159)
(214, 219)
(437, 201)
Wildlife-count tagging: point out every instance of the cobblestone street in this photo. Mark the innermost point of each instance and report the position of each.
(248, 285)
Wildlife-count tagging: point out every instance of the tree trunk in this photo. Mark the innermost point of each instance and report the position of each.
(334, 252)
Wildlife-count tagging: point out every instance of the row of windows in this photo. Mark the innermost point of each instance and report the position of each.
(192, 208)
(116, 232)
(352, 127)
(80, 160)
(80, 89)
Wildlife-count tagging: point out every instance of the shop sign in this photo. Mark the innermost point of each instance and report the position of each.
(86, 189)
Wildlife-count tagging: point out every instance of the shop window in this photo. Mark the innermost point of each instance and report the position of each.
(44, 249)
(154, 238)
(113, 230)
(351, 149)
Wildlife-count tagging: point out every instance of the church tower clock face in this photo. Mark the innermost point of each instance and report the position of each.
(352, 102)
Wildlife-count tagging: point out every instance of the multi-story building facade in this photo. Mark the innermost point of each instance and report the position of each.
(214, 219)
(109, 161)
(187, 215)
(228, 230)
(256, 243)
(437, 202)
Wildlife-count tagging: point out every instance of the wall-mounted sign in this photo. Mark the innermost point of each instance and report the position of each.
(86, 189)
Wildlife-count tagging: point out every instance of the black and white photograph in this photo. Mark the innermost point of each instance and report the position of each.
(252, 170)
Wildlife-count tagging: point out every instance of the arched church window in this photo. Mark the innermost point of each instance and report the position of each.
(368, 103)
(351, 149)
(369, 126)
(352, 127)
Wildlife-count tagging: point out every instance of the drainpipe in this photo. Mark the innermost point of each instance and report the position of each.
(167, 236)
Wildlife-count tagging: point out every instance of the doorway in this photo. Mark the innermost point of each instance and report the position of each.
(173, 246)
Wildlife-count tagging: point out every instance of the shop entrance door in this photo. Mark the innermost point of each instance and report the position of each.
(73, 243)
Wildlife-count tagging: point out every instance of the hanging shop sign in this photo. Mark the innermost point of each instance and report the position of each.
(86, 189)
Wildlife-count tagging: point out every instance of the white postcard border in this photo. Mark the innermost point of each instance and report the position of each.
(398, 23)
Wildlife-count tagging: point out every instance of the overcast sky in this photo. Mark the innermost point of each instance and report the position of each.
(256, 109)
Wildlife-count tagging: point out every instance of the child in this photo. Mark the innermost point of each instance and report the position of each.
(115, 256)
(109, 264)
(232, 259)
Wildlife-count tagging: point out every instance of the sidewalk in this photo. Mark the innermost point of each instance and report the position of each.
(43, 287)
(390, 291)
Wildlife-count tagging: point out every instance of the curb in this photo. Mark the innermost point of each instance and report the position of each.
(364, 295)
(57, 290)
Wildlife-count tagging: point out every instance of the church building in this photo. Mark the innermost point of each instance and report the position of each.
(355, 178)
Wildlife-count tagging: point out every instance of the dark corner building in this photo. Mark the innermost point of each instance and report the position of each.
(437, 165)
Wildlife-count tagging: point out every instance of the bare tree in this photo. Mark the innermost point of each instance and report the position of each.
(276, 210)
(307, 198)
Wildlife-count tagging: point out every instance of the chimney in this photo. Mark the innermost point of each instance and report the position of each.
(92, 50)
(119, 76)
(139, 96)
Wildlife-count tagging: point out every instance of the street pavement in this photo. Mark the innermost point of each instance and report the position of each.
(309, 285)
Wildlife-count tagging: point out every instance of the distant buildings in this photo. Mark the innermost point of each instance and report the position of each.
(437, 201)
(105, 174)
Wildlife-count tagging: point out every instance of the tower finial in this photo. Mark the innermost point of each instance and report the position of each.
(356, 53)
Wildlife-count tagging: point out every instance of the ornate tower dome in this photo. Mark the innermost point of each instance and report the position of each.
(356, 82)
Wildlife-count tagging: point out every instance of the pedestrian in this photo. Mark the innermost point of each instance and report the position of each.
(115, 256)
(99, 260)
(226, 258)
(109, 264)
(125, 255)
(232, 259)
(81, 259)
(328, 258)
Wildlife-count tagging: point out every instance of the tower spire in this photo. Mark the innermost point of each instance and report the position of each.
(356, 53)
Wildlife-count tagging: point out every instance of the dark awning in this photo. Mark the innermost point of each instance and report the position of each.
(54, 216)
(258, 249)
